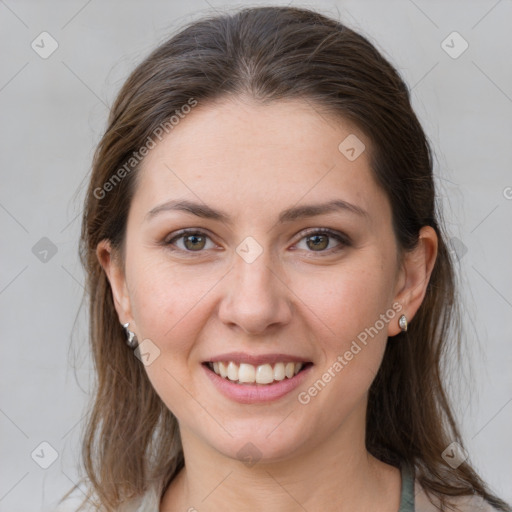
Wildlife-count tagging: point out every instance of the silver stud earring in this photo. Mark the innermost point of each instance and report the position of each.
(131, 337)
(402, 322)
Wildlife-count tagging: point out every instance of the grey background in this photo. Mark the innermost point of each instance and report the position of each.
(53, 113)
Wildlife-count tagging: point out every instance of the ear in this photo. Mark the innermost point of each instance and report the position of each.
(414, 276)
(111, 264)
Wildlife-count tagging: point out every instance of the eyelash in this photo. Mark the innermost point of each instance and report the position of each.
(343, 240)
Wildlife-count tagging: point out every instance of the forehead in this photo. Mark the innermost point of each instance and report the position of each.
(240, 153)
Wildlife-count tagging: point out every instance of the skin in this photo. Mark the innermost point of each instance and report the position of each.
(236, 155)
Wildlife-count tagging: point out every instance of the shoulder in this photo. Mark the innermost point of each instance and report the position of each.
(471, 503)
(148, 502)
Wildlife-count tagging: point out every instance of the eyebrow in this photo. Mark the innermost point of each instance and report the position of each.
(288, 215)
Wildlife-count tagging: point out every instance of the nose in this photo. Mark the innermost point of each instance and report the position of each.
(256, 296)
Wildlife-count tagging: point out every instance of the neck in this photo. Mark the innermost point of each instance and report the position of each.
(337, 474)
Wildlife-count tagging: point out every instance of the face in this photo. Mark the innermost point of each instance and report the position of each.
(269, 277)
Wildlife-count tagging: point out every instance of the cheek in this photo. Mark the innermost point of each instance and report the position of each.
(352, 340)
(168, 310)
(352, 335)
(165, 298)
(348, 300)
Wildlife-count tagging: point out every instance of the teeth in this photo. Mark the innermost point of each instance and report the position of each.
(233, 371)
(264, 374)
(279, 371)
(250, 374)
(223, 371)
(289, 370)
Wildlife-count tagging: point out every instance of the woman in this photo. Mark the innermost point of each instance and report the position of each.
(270, 287)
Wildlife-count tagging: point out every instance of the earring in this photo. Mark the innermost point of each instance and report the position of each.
(402, 322)
(131, 337)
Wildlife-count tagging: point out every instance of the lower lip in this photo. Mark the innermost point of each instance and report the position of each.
(256, 393)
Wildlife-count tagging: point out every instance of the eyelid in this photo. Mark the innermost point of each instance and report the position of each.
(328, 231)
(177, 235)
(186, 231)
(343, 239)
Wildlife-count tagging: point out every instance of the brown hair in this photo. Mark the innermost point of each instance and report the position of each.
(271, 53)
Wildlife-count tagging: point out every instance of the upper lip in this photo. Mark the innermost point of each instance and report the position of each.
(256, 360)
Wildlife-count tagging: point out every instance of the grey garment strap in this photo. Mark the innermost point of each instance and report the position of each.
(407, 494)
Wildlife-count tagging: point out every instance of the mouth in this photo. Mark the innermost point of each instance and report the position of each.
(252, 375)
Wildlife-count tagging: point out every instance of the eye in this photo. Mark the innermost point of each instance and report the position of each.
(318, 240)
(193, 240)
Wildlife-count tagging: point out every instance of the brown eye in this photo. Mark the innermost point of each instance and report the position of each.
(319, 240)
(192, 241)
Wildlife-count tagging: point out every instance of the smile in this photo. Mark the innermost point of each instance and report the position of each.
(251, 391)
(245, 373)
